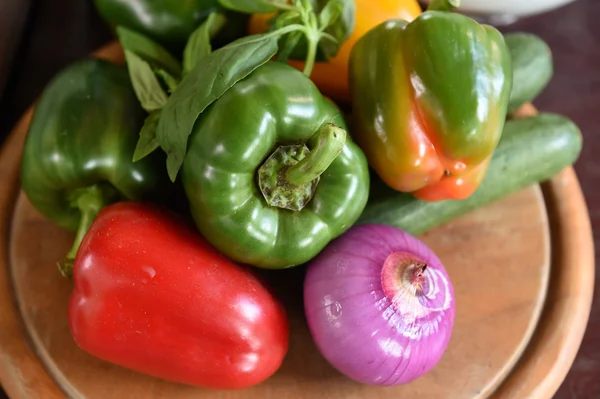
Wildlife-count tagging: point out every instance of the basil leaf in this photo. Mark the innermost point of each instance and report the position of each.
(198, 44)
(170, 81)
(339, 24)
(286, 18)
(145, 83)
(341, 28)
(252, 6)
(148, 50)
(288, 45)
(330, 13)
(210, 79)
(147, 142)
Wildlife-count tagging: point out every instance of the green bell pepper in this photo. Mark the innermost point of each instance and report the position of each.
(77, 155)
(429, 101)
(168, 22)
(269, 173)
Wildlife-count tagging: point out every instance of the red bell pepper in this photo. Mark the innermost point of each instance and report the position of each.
(151, 295)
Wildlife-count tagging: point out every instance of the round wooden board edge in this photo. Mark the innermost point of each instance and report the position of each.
(570, 292)
(569, 299)
(569, 296)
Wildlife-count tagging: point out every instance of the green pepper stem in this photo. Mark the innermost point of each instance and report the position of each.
(89, 201)
(330, 141)
(443, 5)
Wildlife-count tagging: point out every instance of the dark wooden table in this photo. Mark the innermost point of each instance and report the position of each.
(59, 32)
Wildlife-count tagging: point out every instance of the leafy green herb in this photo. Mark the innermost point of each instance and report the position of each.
(170, 81)
(288, 45)
(198, 45)
(330, 13)
(287, 18)
(323, 35)
(145, 83)
(148, 50)
(254, 6)
(340, 27)
(147, 142)
(208, 81)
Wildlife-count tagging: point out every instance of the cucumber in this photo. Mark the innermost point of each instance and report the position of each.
(531, 150)
(532, 67)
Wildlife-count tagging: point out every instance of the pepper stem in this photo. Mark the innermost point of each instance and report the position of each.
(289, 177)
(89, 201)
(330, 141)
(443, 5)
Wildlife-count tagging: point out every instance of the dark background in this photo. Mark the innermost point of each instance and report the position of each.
(58, 32)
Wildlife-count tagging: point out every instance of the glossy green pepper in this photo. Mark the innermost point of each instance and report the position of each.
(429, 101)
(77, 155)
(269, 173)
(168, 22)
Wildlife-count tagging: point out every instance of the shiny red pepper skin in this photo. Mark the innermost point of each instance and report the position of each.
(151, 295)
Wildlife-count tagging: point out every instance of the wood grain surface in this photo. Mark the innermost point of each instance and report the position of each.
(498, 258)
(498, 305)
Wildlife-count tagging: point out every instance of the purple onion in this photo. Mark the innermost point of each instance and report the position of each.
(379, 305)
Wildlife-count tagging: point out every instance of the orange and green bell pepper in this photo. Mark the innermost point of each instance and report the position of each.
(331, 77)
(429, 100)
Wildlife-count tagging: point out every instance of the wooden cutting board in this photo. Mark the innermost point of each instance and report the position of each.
(522, 267)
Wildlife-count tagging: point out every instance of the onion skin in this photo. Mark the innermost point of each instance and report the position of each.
(375, 313)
